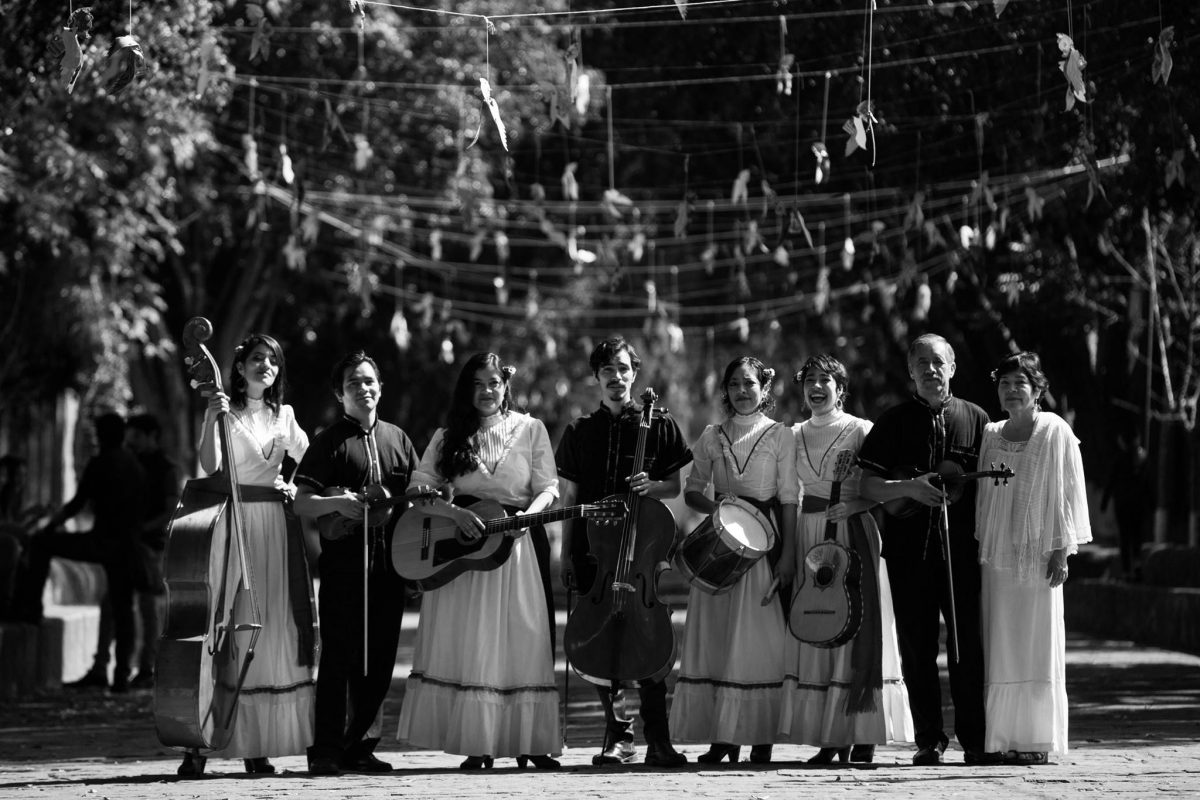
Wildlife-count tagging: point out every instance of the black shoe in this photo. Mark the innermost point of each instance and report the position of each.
(258, 766)
(143, 680)
(718, 752)
(323, 765)
(367, 762)
(539, 762)
(615, 753)
(477, 762)
(95, 679)
(192, 766)
(761, 754)
(825, 756)
(978, 758)
(929, 756)
(662, 754)
(862, 754)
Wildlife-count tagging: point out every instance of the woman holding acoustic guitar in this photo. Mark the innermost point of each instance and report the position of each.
(275, 705)
(844, 698)
(731, 667)
(1026, 531)
(482, 683)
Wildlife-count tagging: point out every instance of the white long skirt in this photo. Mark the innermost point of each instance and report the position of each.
(1025, 677)
(817, 680)
(277, 702)
(731, 669)
(482, 682)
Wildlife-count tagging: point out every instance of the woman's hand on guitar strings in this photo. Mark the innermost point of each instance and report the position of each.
(468, 522)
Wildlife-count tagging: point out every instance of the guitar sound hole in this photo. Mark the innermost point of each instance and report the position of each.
(824, 575)
(450, 549)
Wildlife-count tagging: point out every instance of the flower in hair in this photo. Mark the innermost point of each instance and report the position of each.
(508, 371)
(768, 374)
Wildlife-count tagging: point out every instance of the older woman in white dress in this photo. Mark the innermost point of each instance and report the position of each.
(1026, 531)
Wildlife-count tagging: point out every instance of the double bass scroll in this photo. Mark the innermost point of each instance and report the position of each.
(212, 619)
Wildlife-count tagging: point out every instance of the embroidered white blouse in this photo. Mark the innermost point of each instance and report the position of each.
(260, 437)
(750, 456)
(517, 462)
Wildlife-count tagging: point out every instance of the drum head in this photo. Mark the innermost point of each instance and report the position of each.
(745, 526)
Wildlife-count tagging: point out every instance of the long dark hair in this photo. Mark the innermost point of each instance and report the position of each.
(459, 455)
(273, 396)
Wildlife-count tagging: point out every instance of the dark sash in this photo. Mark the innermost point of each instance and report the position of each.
(866, 655)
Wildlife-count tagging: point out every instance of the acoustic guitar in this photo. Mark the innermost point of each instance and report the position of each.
(430, 551)
(948, 474)
(827, 608)
(379, 501)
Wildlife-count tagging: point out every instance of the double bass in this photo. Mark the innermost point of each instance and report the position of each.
(213, 619)
(621, 631)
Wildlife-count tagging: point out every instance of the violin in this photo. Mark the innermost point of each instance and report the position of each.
(948, 474)
(621, 631)
(212, 618)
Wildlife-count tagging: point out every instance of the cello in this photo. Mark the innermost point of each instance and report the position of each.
(621, 631)
(212, 620)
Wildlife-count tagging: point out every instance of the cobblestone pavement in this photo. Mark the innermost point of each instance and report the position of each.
(1135, 733)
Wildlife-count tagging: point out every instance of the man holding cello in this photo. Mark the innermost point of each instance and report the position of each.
(901, 458)
(358, 651)
(596, 458)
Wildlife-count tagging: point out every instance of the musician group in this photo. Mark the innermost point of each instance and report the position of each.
(829, 553)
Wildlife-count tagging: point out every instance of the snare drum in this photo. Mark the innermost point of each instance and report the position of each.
(726, 544)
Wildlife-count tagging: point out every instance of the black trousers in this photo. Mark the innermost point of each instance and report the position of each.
(652, 694)
(348, 702)
(116, 558)
(919, 594)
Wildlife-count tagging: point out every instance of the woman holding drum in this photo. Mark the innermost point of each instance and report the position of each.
(731, 668)
(849, 698)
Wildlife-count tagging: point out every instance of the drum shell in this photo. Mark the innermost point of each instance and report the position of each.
(714, 561)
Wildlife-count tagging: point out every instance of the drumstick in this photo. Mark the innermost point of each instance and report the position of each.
(771, 590)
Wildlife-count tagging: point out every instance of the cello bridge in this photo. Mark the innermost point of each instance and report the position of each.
(621, 586)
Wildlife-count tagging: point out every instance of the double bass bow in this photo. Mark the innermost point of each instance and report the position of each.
(213, 618)
(621, 631)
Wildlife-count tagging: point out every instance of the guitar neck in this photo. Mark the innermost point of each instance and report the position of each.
(538, 518)
(835, 497)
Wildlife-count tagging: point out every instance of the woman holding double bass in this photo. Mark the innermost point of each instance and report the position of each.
(842, 697)
(253, 428)
(731, 668)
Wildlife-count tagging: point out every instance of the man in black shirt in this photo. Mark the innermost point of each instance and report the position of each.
(595, 459)
(113, 485)
(357, 451)
(919, 434)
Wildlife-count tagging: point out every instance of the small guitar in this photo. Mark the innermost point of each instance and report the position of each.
(379, 501)
(827, 607)
(948, 474)
(430, 551)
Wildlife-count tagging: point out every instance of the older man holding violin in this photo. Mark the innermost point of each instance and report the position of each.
(929, 543)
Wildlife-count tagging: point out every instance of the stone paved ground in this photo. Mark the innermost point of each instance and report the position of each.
(1135, 733)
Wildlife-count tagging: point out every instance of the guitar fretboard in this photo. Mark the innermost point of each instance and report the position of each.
(538, 518)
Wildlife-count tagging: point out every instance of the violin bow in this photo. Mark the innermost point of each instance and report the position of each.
(366, 576)
(952, 623)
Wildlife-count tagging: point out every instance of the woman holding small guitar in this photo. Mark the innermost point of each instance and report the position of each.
(842, 696)
(483, 682)
(731, 667)
(275, 706)
(1026, 531)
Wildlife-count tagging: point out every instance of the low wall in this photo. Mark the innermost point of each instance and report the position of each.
(1161, 616)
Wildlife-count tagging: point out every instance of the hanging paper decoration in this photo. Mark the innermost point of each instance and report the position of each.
(651, 296)
(796, 224)
(68, 47)
(486, 89)
(823, 165)
(637, 247)
(125, 63)
(681, 220)
(1034, 203)
(476, 246)
(914, 217)
(362, 152)
(821, 296)
(399, 331)
(858, 126)
(260, 41)
(359, 8)
(780, 256)
(294, 255)
(310, 228)
(1174, 171)
(570, 187)
(1163, 62)
(285, 165)
(447, 354)
(848, 254)
(501, 287)
(742, 326)
(1000, 4)
(583, 93)
(500, 240)
(250, 159)
(682, 6)
(613, 201)
(205, 76)
(1072, 66)
(435, 244)
(741, 188)
(783, 74)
